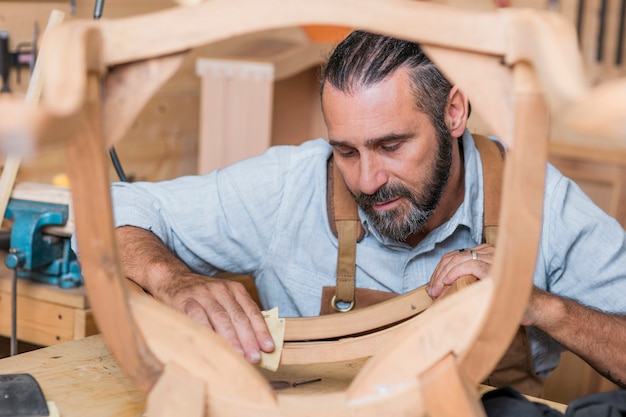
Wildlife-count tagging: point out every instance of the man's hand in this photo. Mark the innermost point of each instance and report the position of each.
(223, 305)
(472, 261)
(595, 336)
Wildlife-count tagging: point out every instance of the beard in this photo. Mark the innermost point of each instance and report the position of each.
(401, 222)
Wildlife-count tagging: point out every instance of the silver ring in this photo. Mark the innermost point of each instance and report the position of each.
(474, 255)
(333, 303)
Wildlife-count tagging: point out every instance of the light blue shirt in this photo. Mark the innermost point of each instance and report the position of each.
(267, 217)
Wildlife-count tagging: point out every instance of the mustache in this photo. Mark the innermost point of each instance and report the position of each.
(385, 193)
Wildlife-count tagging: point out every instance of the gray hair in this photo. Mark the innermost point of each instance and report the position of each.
(364, 59)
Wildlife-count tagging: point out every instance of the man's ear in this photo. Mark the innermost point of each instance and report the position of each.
(457, 112)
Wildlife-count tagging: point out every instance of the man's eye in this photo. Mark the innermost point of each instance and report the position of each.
(390, 147)
(345, 152)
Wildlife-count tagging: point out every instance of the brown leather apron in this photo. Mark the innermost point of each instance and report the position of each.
(515, 369)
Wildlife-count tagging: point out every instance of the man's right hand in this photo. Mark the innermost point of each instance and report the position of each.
(224, 306)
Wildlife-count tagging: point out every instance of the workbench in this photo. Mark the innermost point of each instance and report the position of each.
(81, 378)
(46, 314)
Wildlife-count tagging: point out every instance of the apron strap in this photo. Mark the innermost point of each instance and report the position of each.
(344, 221)
(492, 156)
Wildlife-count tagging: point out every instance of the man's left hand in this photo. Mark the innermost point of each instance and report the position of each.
(471, 261)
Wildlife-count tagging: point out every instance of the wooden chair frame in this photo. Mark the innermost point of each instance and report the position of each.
(517, 66)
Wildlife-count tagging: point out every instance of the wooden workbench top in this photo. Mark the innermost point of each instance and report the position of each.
(81, 378)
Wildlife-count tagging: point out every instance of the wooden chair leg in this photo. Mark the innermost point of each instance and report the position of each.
(447, 392)
(176, 393)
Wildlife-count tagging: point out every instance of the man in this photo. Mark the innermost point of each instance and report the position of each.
(397, 133)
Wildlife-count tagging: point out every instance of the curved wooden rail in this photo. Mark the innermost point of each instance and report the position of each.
(358, 321)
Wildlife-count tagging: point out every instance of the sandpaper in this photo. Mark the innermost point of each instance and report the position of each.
(276, 326)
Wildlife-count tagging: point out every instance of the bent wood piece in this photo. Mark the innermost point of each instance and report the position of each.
(138, 38)
(440, 26)
(369, 319)
(520, 218)
(99, 259)
(423, 333)
(358, 321)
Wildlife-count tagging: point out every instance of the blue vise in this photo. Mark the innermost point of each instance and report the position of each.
(38, 255)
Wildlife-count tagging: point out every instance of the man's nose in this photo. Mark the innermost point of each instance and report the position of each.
(372, 175)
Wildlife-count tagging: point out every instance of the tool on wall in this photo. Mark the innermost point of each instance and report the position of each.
(5, 61)
(23, 56)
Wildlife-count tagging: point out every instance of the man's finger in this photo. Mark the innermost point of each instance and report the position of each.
(259, 326)
(224, 322)
(194, 310)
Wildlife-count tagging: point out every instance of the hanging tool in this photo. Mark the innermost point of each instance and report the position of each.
(23, 56)
(5, 61)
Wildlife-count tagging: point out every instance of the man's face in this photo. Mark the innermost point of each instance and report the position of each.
(394, 161)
